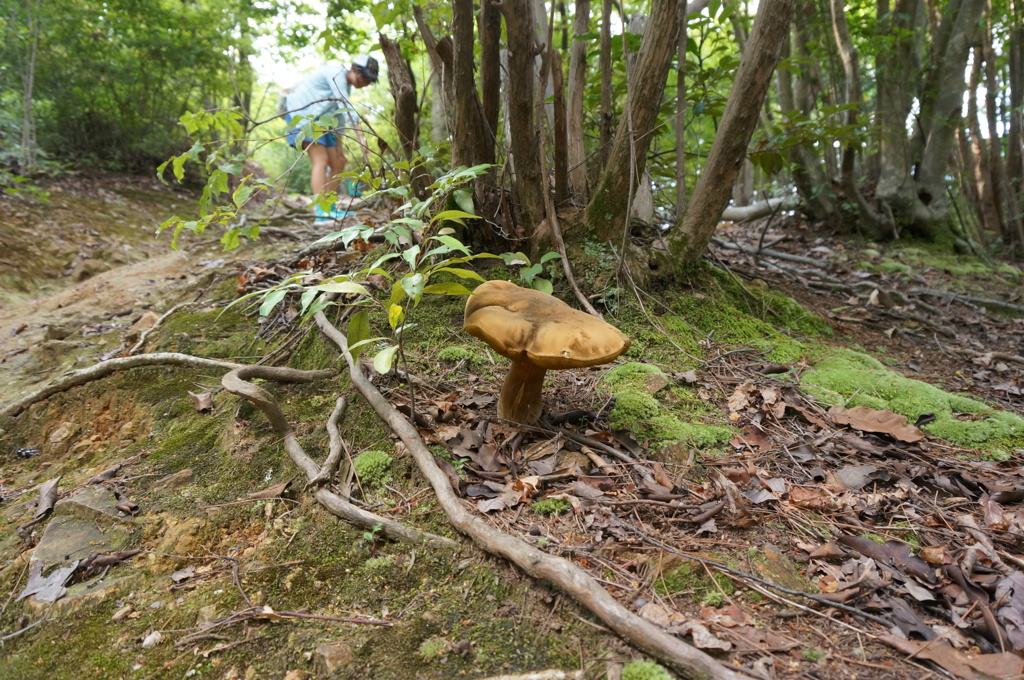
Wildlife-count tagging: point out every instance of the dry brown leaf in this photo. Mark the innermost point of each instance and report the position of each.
(873, 420)
(272, 491)
(662, 478)
(47, 497)
(1005, 666)
(203, 402)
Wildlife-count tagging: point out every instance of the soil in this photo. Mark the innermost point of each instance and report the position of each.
(81, 269)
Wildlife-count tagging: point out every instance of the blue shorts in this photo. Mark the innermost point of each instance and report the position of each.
(328, 139)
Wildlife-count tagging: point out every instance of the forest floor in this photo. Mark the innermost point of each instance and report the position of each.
(831, 493)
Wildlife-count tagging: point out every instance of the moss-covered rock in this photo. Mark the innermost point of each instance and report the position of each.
(847, 378)
(373, 468)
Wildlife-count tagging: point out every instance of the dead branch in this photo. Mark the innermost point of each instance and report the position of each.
(756, 211)
(690, 662)
(236, 382)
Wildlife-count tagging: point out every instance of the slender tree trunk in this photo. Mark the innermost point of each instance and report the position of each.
(604, 123)
(979, 154)
(559, 131)
(681, 108)
(896, 73)
(519, 28)
(606, 212)
(742, 112)
(406, 112)
(576, 137)
(464, 148)
(28, 121)
(490, 73)
(1015, 139)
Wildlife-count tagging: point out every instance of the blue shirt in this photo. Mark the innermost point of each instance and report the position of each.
(326, 91)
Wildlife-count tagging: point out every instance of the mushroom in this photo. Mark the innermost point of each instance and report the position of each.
(537, 332)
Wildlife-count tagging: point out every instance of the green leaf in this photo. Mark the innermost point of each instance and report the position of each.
(515, 259)
(549, 256)
(272, 300)
(350, 287)
(462, 273)
(448, 289)
(453, 215)
(242, 194)
(451, 241)
(382, 362)
(543, 285)
(464, 199)
(358, 331)
(528, 273)
(413, 286)
(410, 255)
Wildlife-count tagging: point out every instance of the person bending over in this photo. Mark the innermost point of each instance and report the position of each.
(327, 92)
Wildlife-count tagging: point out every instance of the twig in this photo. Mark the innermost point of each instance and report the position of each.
(336, 446)
(562, 573)
(25, 629)
(236, 382)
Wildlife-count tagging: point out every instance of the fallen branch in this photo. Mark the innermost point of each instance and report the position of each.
(756, 211)
(690, 662)
(236, 382)
(959, 297)
(105, 368)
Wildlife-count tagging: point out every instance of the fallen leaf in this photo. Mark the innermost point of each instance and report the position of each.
(47, 497)
(1004, 666)
(490, 504)
(203, 402)
(183, 574)
(272, 492)
(50, 588)
(873, 420)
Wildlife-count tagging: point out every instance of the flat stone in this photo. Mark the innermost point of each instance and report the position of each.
(330, 656)
(64, 431)
(89, 503)
(70, 537)
(655, 383)
(82, 596)
(776, 567)
(177, 480)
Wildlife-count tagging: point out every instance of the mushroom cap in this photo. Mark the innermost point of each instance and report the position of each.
(522, 323)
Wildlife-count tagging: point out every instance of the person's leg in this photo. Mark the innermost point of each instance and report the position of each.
(336, 161)
(319, 158)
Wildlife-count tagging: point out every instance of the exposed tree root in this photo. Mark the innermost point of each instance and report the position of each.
(688, 661)
(236, 382)
(105, 368)
(756, 211)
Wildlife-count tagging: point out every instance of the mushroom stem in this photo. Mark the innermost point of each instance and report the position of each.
(521, 400)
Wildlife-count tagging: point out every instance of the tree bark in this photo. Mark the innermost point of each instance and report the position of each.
(406, 110)
(490, 73)
(559, 131)
(576, 138)
(465, 149)
(524, 142)
(604, 123)
(607, 211)
(681, 108)
(689, 239)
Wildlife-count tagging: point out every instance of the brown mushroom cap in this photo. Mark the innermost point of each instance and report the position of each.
(521, 323)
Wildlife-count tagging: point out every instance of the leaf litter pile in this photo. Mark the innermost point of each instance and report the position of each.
(819, 531)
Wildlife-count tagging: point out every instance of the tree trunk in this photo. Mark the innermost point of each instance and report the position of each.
(559, 130)
(604, 122)
(607, 211)
(681, 108)
(524, 142)
(406, 113)
(465, 149)
(28, 121)
(490, 73)
(689, 239)
(576, 138)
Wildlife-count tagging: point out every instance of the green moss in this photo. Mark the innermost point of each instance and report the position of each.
(452, 355)
(694, 579)
(632, 374)
(432, 649)
(644, 670)
(632, 408)
(852, 379)
(373, 468)
(667, 429)
(550, 507)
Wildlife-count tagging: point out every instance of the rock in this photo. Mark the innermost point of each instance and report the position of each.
(294, 675)
(59, 331)
(177, 480)
(63, 432)
(330, 656)
(207, 614)
(144, 323)
(70, 536)
(122, 612)
(655, 383)
(89, 503)
(152, 640)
